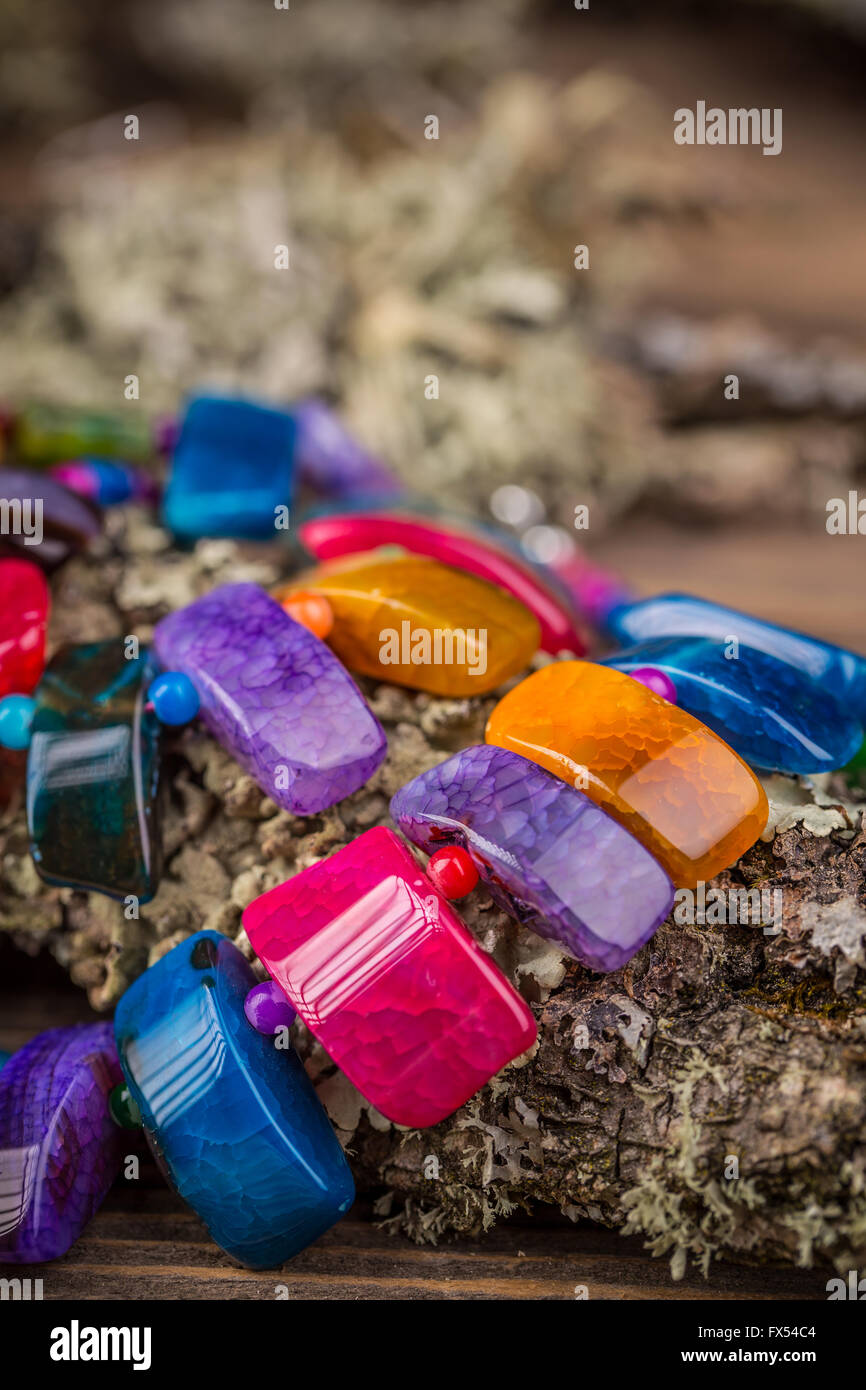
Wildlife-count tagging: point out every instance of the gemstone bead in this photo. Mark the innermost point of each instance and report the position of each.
(546, 853)
(174, 698)
(16, 720)
(659, 682)
(54, 522)
(268, 1009)
(842, 673)
(477, 552)
(311, 611)
(330, 461)
(106, 482)
(771, 713)
(59, 1149)
(664, 776)
(231, 471)
(52, 433)
(274, 696)
(4, 1058)
(452, 871)
(233, 1120)
(23, 617)
(415, 622)
(384, 973)
(93, 773)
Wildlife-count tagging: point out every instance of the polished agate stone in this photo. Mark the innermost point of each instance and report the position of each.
(547, 853)
(231, 470)
(67, 522)
(841, 673)
(689, 799)
(331, 462)
(384, 973)
(23, 616)
(769, 712)
(274, 696)
(233, 1120)
(60, 1151)
(337, 534)
(419, 623)
(93, 773)
(53, 433)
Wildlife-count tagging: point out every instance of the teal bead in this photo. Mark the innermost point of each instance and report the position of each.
(174, 698)
(16, 717)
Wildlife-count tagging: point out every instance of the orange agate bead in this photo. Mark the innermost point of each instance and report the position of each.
(662, 774)
(416, 622)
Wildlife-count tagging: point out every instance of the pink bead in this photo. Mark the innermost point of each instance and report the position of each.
(452, 870)
(657, 681)
(384, 973)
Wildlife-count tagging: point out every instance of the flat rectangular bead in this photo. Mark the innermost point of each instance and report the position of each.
(233, 1120)
(93, 773)
(274, 696)
(384, 973)
(60, 1150)
(546, 852)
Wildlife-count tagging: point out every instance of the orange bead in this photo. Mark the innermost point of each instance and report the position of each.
(662, 774)
(312, 611)
(417, 622)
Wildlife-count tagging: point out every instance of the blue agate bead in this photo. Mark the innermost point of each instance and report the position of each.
(767, 710)
(233, 1119)
(16, 719)
(841, 673)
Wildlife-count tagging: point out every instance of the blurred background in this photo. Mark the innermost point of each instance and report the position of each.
(412, 257)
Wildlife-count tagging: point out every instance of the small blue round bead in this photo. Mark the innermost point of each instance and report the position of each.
(174, 698)
(16, 716)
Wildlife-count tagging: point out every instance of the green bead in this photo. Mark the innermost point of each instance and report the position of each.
(124, 1110)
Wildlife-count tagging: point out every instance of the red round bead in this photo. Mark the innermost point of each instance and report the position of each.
(452, 871)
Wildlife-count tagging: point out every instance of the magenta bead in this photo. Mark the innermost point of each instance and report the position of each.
(657, 681)
(268, 1009)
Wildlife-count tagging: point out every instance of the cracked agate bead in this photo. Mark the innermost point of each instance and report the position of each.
(23, 617)
(337, 534)
(384, 973)
(60, 1150)
(274, 696)
(841, 673)
(231, 470)
(55, 433)
(546, 853)
(769, 712)
(233, 1121)
(93, 773)
(689, 799)
(418, 623)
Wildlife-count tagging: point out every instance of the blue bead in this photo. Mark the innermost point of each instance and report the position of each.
(16, 717)
(232, 469)
(4, 1058)
(840, 672)
(115, 483)
(767, 710)
(236, 1123)
(174, 698)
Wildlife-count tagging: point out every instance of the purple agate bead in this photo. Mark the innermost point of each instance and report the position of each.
(60, 1150)
(547, 854)
(274, 696)
(331, 462)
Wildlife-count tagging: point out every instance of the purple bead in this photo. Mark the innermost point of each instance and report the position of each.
(274, 696)
(60, 1150)
(48, 521)
(268, 1009)
(547, 854)
(659, 682)
(331, 462)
